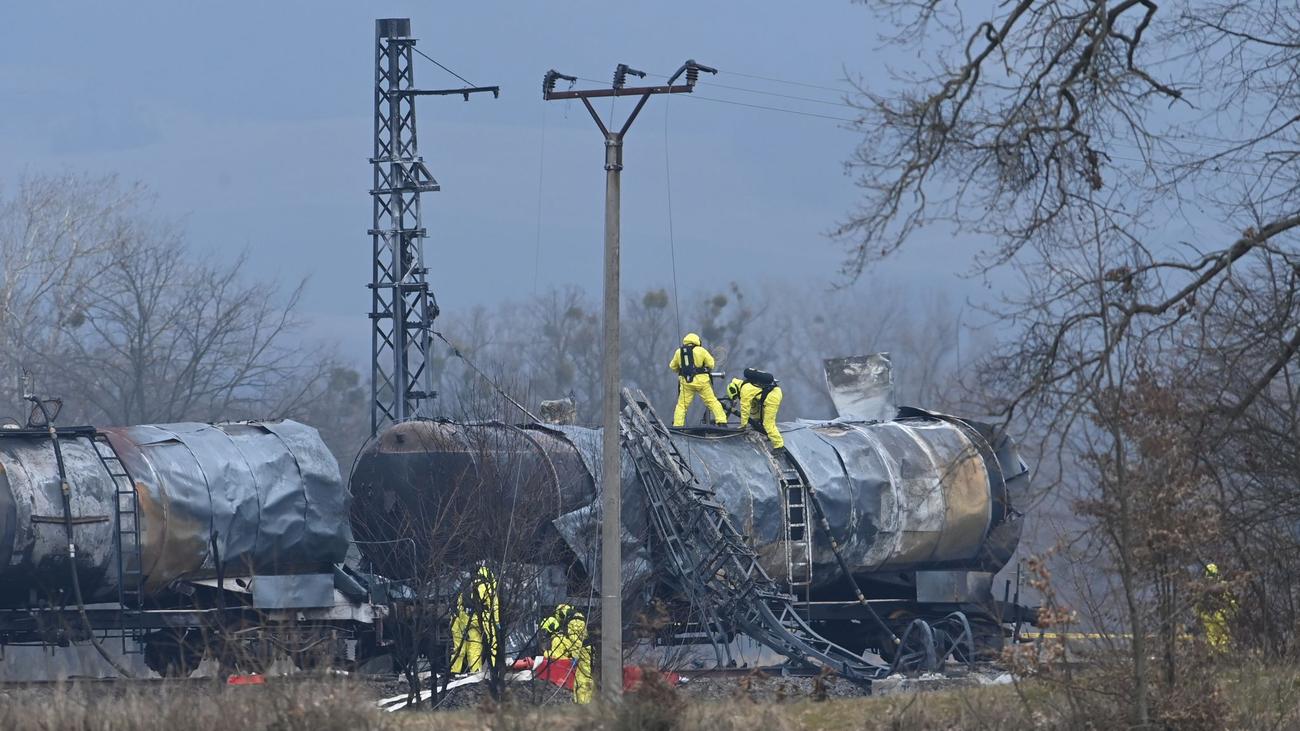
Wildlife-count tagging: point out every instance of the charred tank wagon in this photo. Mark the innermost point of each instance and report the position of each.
(172, 534)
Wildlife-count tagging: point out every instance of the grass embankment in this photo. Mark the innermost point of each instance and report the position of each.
(1251, 700)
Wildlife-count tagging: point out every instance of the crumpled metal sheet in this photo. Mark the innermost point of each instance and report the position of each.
(580, 528)
(267, 494)
(861, 387)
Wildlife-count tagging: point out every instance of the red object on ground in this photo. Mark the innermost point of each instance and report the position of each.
(246, 680)
(560, 672)
(523, 663)
(634, 674)
(556, 672)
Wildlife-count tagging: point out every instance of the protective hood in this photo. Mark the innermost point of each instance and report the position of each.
(733, 388)
(691, 339)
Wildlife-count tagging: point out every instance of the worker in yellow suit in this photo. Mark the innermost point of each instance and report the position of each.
(567, 629)
(692, 364)
(474, 626)
(759, 399)
(1216, 610)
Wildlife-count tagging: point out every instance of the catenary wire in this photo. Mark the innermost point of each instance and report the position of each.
(672, 242)
(444, 68)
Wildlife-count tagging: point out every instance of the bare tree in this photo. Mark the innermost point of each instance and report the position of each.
(1078, 141)
(113, 312)
(52, 229)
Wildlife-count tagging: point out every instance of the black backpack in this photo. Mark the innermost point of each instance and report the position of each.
(762, 379)
(688, 368)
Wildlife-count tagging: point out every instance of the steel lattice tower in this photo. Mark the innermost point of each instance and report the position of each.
(402, 307)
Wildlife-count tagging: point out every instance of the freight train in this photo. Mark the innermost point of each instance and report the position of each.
(234, 541)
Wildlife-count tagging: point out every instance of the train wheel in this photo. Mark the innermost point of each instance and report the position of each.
(173, 654)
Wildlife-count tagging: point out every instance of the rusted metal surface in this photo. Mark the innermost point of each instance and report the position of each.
(267, 495)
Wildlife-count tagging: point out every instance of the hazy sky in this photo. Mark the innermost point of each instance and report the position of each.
(252, 124)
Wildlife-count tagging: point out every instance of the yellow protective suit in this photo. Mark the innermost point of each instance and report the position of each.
(762, 411)
(474, 626)
(699, 385)
(568, 632)
(1215, 613)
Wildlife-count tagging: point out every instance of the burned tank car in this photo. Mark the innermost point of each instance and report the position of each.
(448, 492)
(922, 506)
(259, 497)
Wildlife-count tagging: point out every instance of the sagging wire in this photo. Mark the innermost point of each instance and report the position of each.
(456, 352)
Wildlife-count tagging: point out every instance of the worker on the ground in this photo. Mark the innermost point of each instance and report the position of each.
(692, 364)
(474, 626)
(759, 399)
(1216, 610)
(567, 629)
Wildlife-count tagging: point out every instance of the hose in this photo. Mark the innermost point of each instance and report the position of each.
(66, 490)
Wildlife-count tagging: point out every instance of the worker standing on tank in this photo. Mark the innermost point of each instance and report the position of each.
(692, 364)
(759, 398)
(567, 629)
(474, 626)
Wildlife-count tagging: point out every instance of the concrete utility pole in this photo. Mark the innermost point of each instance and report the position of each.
(611, 554)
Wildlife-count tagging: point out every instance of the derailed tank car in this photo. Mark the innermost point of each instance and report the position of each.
(921, 505)
(183, 536)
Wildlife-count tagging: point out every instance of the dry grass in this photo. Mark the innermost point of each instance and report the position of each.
(1252, 699)
(279, 705)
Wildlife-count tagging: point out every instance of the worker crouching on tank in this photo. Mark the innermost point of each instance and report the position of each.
(758, 398)
(567, 629)
(474, 626)
(693, 364)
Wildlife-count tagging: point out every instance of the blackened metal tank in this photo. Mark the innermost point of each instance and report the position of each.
(919, 492)
(262, 497)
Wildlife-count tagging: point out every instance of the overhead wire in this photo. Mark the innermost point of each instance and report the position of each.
(444, 68)
(672, 241)
(846, 120)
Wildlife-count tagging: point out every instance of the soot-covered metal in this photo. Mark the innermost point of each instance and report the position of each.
(264, 497)
(919, 492)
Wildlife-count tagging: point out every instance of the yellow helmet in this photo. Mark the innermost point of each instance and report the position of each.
(1211, 570)
(691, 339)
(484, 572)
(733, 388)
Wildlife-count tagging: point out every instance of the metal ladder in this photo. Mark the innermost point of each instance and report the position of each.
(798, 535)
(130, 575)
(709, 558)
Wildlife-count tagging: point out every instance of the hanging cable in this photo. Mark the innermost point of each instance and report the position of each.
(672, 243)
(781, 81)
(846, 120)
(456, 352)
